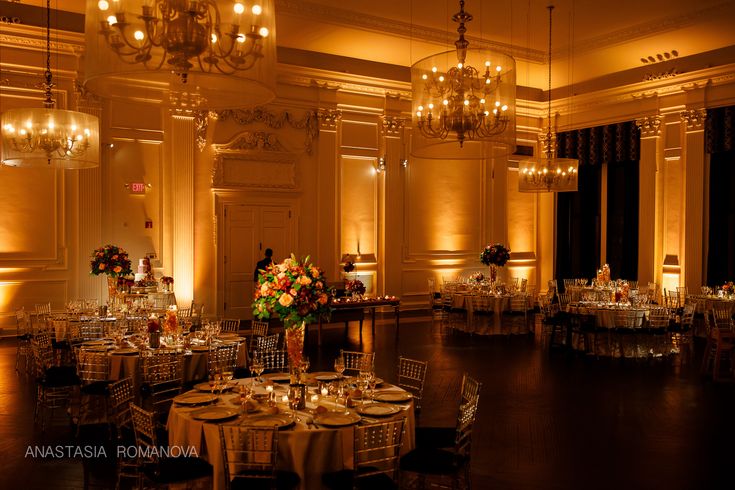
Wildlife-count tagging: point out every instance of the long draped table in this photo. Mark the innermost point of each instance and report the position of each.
(302, 448)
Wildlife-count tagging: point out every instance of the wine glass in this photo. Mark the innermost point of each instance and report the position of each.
(212, 381)
(339, 365)
(372, 381)
(245, 393)
(294, 400)
(226, 378)
(258, 367)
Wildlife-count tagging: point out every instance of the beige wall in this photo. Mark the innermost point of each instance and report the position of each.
(426, 220)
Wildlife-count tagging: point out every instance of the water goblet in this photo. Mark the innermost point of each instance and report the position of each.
(339, 365)
(226, 378)
(259, 367)
(212, 381)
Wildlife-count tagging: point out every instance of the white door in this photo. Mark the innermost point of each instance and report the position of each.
(249, 230)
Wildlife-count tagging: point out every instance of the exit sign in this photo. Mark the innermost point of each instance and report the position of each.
(137, 187)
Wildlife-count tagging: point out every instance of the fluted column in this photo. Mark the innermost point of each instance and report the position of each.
(90, 204)
(650, 212)
(327, 239)
(182, 145)
(390, 244)
(693, 121)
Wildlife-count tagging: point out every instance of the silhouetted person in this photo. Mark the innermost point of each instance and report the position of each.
(263, 264)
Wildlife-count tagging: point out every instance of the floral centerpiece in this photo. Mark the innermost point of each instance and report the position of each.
(728, 288)
(167, 282)
(495, 256)
(296, 291)
(477, 276)
(112, 261)
(355, 287)
(154, 332)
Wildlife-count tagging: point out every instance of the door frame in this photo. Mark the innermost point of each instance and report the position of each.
(227, 197)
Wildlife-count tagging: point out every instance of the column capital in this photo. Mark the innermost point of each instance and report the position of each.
(650, 126)
(694, 119)
(328, 118)
(392, 125)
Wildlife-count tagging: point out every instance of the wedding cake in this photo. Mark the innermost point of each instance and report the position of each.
(144, 269)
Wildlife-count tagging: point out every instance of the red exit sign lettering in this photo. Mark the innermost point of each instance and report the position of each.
(137, 187)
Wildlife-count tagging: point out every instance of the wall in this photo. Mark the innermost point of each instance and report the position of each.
(428, 219)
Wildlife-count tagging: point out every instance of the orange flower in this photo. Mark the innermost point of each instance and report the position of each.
(117, 269)
(102, 266)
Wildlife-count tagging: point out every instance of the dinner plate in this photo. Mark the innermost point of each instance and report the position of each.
(194, 398)
(277, 377)
(199, 348)
(331, 419)
(205, 386)
(393, 396)
(96, 342)
(279, 420)
(327, 377)
(214, 413)
(126, 351)
(378, 410)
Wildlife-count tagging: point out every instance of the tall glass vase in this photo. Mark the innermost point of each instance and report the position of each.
(493, 274)
(112, 287)
(295, 350)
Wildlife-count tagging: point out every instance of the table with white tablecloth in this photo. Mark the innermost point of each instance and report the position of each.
(307, 450)
(484, 313)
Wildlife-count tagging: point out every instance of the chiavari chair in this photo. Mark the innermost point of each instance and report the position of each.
(93, 369)
(23, 334)
(55, 384)
(358, 361)
(162, 373)
(229, 325)
(274, 360)
(721, 340)
(411, 377)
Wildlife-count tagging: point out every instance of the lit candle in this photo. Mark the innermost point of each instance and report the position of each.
(269, 388)
(325, 391)
(284, 398)
(314, 399)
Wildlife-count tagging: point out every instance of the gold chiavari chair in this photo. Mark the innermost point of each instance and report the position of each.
(222, 358)
(375, 458)
(411, 377)
(93, 369)
(250, 455)
(55, 384)
(720, 342)
(23, 334)
(229, 325)
(268, 342)
(274, 360)
(357, 361)
(162, 373)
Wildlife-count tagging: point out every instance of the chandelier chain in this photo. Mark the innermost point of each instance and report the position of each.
(48, 102)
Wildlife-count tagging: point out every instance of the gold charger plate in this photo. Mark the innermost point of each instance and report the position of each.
(378, 410)
(279, 420)
(393, 396)
(205, 386)
(126, 351)
(332, 419)
(194, 398)
(277, 377)
(214, 413)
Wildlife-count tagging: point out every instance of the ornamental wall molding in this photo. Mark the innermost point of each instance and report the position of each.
(328, 119)
(650, 126)
(308, 121)
(694, 118)
(254, 160)
(312, 77)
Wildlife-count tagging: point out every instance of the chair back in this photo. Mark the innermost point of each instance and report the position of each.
(222, 358)
(162, 374)
(22, 322)
(687, 316)
(519, 303)
(377, 449)
(92, 330)
(275, 360)
(121, 395)
(249, 452)
(230, 325)
(43, 354)
(466, 415)
(92, 366)
(358, 361)
(658, 317)
(259, 328)
(722, 315)
(183, 312)
(411, 377)
(197, 309)
(266, 343)
(626, 319)
(144, 427)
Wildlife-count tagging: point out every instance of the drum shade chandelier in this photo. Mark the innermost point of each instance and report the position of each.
(462, 100)
(49, 137)
(548, 174)
(193, 54)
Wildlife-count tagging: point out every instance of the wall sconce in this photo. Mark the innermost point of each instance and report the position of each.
(404, 162)
(381, 165)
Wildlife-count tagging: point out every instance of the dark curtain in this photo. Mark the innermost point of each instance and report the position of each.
(719, 137)
(578, 213)
(622, 219)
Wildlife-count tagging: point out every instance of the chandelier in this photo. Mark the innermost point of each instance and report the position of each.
(463, 99)
(192, 54)
(548, 174)
(49, 137)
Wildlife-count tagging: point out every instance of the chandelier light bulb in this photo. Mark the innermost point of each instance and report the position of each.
(433, 69)
(239, 8)
(103, 5)
(257, 9)
(112, 20)
(139, 35)
(459, 65)
(441, 78)
(424, 76)
(263, 31)
(487, 64)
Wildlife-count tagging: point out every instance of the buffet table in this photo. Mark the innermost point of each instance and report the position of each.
(348, 309)
(304, 447)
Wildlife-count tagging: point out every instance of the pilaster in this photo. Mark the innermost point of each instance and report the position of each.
(693, 156)
(650, 212)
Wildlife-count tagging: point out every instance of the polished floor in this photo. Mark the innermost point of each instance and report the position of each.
(547, 420)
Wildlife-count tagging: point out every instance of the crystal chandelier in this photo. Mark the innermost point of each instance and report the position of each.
(196, 54)
(49, 137)
(548, 174)
(455, 102)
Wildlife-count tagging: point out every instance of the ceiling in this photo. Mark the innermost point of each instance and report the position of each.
(592, 39)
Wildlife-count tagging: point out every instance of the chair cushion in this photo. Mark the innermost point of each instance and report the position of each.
(285, 480)
(98, 388)
(171, 470)
(431, 461)
(346, 479)
(435, 437)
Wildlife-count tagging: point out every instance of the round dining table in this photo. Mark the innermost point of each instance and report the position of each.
(304, 447)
